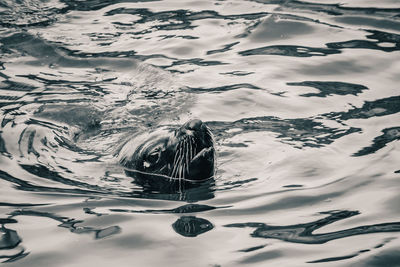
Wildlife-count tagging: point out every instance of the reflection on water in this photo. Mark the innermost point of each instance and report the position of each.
(303, 233)
(301, 96)
(190, 226)
(331, 88)
(9, 241)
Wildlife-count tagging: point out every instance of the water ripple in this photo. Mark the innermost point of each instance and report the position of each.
(301, 96)
(330, 88)
(290, 51)
(303, 233)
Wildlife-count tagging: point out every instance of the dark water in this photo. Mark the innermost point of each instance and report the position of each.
(302, 97)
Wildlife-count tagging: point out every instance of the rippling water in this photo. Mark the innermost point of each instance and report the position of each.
(302, 97)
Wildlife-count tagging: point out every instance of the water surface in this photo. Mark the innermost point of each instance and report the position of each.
(302, 97)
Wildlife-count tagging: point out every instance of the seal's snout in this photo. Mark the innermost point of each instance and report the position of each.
(194, 125)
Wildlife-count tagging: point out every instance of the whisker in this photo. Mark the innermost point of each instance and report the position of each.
(180, 171)
(178, 156)
(195, 147)
(190, 156)
(177, 153)
(173, 170)
(186, 151)
(187, 155)
(180, 185)
(190, 149)
(180, 160)
(174, 162)
(185, 159)
(210, 135)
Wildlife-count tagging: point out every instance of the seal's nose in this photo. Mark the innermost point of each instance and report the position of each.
(194, 125)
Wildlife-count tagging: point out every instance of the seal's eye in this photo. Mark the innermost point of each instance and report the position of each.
(151, 159)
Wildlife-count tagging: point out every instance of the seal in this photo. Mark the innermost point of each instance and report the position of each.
(185, 154)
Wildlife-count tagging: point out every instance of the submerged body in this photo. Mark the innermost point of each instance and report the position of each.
(185, 154)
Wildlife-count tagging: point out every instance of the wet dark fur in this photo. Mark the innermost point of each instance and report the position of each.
(183, 154)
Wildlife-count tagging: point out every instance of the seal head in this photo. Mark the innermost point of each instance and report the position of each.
(186, 153)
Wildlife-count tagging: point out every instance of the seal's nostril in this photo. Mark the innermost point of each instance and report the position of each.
(194, 124)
